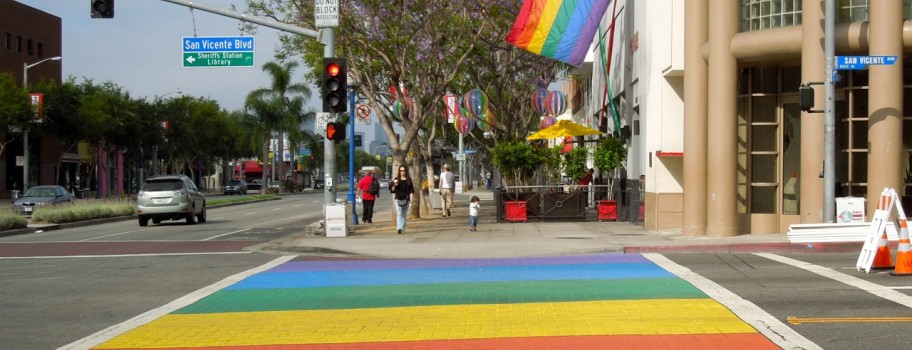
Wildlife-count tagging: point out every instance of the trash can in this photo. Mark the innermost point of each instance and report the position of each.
(515, 211)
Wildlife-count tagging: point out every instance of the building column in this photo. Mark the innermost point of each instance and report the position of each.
(885, 102)
(695, 121)
(721, 197)
(813, 65)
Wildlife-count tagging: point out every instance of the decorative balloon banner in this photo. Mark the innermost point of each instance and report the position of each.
(555, 103)
(475, 102)
(538, 100)
(463, 124)
(547, 121)
(486, 120)
(401, 107)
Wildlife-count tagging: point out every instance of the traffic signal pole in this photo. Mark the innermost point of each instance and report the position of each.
(328, 39)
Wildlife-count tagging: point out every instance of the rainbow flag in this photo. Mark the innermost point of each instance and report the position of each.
(559, 29)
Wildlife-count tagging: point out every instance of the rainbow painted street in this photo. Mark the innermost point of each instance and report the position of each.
(571, 302)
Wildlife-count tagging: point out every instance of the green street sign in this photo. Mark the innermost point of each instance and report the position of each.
(218, 59)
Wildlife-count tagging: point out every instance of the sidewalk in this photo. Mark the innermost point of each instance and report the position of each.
(434, 236)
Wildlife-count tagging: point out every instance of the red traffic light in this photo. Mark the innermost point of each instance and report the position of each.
(333, 69)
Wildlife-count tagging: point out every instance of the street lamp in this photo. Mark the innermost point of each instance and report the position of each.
(155, 146)
(25, 133)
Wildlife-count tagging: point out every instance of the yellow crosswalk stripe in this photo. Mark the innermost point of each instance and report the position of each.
(607, 317)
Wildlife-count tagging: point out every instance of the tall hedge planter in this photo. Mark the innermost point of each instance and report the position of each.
(575, 165)
(610, 153)
(517, 161)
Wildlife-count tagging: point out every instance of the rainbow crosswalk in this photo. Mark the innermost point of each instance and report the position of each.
(573, 302)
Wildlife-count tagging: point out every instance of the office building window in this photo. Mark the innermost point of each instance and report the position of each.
(8, 41)
(765, 14)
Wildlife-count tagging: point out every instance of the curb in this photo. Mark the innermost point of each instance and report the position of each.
(815, 247)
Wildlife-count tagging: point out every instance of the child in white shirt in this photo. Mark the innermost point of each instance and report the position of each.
(473, 213)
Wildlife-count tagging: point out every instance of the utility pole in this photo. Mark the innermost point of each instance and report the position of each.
(829, 116)
(25, 132)
(351, 155)
(327, 37)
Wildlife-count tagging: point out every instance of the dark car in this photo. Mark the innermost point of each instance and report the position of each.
(236, 187)
(40, 196)
(256, 185)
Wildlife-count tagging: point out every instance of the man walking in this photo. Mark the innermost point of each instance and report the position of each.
(447, 184)
(369, 191)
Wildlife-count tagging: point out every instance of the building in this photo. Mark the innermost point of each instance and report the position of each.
(709, 89)
(28, 36)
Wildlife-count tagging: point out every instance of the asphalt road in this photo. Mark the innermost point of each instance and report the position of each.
(62, 285)
(837, 306)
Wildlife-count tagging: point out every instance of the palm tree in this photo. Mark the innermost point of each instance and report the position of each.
(279, 107)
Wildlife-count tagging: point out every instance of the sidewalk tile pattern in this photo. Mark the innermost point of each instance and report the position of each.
(614, 301)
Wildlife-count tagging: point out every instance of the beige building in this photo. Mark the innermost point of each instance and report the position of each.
(709, 91)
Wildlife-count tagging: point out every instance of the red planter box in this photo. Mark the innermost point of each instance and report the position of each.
(515, 211)
(607, 210)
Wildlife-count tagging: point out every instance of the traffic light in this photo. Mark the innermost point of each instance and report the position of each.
(335, 85)
(102, 8)
(335, 131)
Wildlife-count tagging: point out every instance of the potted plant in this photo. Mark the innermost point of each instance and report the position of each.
(609, 155)
(517, 161)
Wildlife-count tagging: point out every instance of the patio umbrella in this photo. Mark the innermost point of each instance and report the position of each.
(563, 128)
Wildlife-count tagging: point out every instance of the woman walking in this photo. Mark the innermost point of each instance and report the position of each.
(402, 188)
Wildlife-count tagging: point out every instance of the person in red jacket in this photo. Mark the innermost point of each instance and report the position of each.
(367, 199)
(584, 185)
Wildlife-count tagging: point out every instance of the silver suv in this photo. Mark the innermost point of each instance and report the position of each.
(170, 197)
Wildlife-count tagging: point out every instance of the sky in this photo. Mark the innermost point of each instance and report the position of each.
(140, 49)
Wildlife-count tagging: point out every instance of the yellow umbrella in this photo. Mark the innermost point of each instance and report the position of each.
(563, 128)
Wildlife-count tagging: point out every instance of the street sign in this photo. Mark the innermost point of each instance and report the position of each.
(363, 113)
(218, 51)
(321, 120)
(862, 62)
(326, 13)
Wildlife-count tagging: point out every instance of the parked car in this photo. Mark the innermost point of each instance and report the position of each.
(40, 196)
(236, 187)
(255, 185)
(384, 183)
(170, 197)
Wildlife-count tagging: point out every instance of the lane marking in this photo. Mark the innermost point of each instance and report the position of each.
(878, 290)
(274, 209)
(151, 315)
(121, 233)
(800, 320)
(774, 330)
(225, 234)
(115, 255)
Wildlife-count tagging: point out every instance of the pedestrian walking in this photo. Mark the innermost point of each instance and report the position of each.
(447, 184)
(369, 191)
(402, 188)
(473, 213)
(584, 185)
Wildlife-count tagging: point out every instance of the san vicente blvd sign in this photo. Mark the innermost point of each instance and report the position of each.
(234, 51)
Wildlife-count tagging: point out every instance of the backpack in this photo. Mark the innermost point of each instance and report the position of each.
(374, 188)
